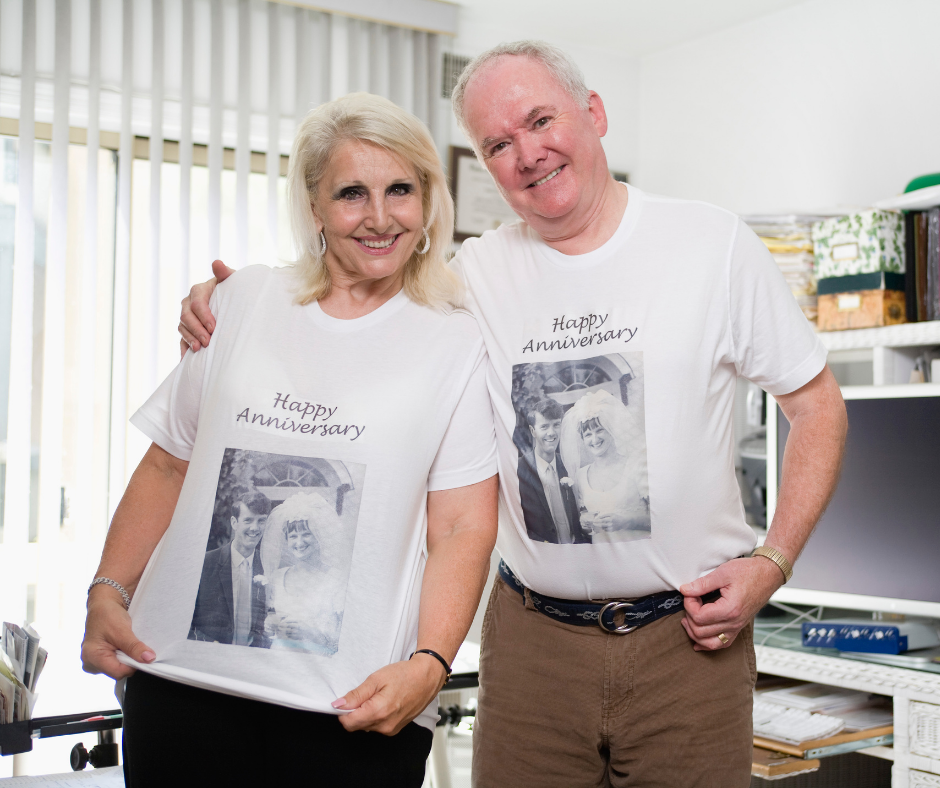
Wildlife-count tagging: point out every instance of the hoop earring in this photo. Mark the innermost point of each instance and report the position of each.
(427, 242)
(322, 243)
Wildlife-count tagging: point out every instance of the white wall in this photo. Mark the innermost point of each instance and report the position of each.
(612, 74)
(832, 102)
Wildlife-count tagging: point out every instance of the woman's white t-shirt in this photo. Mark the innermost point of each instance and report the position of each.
(342, 425)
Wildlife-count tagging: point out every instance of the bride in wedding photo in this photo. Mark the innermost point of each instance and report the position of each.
(302, 544)
(611, 480)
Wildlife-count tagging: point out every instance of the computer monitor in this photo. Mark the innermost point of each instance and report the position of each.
(877, 547)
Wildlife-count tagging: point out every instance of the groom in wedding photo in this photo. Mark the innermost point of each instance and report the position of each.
(230, 606)
(549, 506)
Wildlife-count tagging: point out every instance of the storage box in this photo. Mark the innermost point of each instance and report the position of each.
(861, 243)
(861, 309)
(882, 280)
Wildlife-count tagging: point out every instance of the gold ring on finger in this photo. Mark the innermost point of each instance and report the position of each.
(723, 638)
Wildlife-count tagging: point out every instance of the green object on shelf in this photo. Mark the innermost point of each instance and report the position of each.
(922, 182)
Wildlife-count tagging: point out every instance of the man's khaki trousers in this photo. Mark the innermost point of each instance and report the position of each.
(564, 707)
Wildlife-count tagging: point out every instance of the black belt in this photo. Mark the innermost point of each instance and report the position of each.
(634, 613)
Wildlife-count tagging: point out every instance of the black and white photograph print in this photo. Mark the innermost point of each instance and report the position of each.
(581, 436)
(279, 551)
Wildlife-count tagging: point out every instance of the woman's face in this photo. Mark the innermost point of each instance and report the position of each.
(369, 208)
(597, 439)
(302, 544)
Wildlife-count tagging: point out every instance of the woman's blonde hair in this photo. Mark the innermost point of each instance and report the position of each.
(363, 117)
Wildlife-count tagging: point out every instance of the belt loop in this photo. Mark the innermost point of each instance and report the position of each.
(529, 604)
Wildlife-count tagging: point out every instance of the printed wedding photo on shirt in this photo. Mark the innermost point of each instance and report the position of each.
(581, 436)
(279, 552)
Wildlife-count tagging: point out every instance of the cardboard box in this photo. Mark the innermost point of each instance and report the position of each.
(861, 309)
(861, 243)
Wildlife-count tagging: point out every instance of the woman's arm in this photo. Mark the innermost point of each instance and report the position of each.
(139, 523)
(461, 536)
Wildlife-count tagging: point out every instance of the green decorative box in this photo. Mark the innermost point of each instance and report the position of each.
(861, 243)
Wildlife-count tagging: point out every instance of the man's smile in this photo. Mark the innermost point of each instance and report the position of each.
(548, 177)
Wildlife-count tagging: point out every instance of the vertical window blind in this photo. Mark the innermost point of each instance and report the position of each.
(141, 139)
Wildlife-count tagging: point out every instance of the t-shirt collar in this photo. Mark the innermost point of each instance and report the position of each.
(602, 254)
(389, 308)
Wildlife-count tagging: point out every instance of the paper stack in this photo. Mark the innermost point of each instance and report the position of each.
(21, 662)
(790, 240)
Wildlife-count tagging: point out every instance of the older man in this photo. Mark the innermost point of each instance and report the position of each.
(622, 691)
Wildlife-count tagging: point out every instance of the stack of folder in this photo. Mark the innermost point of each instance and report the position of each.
(790, 241)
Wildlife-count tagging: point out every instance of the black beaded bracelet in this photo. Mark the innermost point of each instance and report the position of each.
(436, 656)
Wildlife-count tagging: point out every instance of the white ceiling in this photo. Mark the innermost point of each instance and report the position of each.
(632, 28)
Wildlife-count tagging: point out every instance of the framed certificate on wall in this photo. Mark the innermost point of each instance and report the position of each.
(478, 204)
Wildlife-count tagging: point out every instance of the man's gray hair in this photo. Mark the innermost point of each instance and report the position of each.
(562, 68)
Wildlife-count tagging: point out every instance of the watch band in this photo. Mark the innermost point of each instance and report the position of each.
(777, 557)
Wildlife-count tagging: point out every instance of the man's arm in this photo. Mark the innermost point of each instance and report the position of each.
(141, 519)
(196, 319)
(461, 536)
(812, 461)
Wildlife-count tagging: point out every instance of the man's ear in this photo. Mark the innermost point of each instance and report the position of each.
(598, 113)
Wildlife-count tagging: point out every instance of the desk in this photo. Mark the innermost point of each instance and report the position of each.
(916, 694)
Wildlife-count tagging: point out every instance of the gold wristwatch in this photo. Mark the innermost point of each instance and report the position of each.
(778, 558)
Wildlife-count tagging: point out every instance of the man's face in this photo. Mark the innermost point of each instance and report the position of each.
(247, 529)
(543, 150)
(545, 433)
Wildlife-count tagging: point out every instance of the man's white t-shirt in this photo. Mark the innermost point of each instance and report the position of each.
(343, 427)
(635, 347)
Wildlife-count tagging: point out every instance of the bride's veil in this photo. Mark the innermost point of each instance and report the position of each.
(613, 417)
(322, 521)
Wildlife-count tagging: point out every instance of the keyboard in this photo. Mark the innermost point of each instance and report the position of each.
(773, 721)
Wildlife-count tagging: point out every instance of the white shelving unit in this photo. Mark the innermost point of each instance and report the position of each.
(891, 350)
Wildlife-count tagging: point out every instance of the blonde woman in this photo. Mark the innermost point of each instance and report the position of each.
(357, 362)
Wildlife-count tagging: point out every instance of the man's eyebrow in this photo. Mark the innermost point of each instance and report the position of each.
(536, 111)
(530, 116)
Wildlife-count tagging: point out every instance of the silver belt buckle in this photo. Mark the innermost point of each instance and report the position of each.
(613, 607)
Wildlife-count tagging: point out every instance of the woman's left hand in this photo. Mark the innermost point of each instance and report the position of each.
(392, 696)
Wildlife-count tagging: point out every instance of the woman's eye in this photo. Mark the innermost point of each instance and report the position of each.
(541, 122)
(400, 189)
(350, 194)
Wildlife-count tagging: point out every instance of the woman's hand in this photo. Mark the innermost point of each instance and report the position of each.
(107, 631)
(623, 520)
(588, 522)
(292, 629)
(392, 696)
(196, 319)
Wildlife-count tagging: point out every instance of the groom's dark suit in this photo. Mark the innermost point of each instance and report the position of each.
(214, 617)
(539, 522)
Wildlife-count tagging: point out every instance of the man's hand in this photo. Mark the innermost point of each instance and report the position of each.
(196, 320)
(107, 631)
(745, 585)
(392, 696)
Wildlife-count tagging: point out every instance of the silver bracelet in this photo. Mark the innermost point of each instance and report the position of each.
(114, 584)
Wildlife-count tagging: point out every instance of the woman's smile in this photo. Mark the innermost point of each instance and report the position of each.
(379, 244)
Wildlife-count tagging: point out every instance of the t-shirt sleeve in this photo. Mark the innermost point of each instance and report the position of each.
(467, 454)
(775, 346)
(170, 417)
